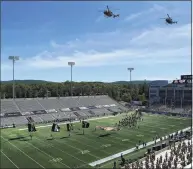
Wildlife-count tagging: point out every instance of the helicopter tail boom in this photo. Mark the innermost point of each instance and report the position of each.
(114, 16)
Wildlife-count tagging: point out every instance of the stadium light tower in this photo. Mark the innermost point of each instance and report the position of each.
(71, 64)
(14, 59)
(130, 70)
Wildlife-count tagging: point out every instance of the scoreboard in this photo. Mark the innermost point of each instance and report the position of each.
(186, 77)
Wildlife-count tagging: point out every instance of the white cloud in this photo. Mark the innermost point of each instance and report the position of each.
(146, 13)
(157, 45)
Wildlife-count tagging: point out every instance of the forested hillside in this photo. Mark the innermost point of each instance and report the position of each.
(124, 92)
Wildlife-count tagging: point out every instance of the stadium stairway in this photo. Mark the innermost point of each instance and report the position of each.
(16, 106)
(41, 105)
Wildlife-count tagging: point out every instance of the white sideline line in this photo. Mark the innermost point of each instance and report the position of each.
(71, 122)
(9, 159)
(47, 154)
(127, 151)
(23, 152)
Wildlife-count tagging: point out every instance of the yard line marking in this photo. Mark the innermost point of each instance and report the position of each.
(46, 153)
(89, 145)
(134, 131)
(22, 152)
(109, 158)
(77, 149)
(62, 151)
(9, 159)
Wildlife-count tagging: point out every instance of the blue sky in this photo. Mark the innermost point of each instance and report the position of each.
(46, 35)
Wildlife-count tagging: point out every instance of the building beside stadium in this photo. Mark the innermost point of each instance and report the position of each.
(154, 88)
(177, 94)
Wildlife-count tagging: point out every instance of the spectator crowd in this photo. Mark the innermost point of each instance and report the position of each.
(177, 156)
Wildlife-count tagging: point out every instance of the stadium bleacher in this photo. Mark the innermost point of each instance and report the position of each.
(50, 109)
(8, 107)
(28, 105)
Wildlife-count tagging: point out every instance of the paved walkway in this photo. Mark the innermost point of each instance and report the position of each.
(127, 151)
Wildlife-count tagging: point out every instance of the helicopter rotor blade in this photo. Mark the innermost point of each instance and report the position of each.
(168, 16)
(107, 7)
(163, 18)
(116, 9)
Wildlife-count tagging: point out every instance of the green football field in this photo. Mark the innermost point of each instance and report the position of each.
(78, 150)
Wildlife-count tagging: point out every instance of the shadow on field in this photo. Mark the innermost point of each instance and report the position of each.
(105, 135)
(79, 134)
(50, 139)
(64, 137)
(16, 138)
(25, 139)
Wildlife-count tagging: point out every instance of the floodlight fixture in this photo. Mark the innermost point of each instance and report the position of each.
(13, 58)
(71, 64)
(130, 70)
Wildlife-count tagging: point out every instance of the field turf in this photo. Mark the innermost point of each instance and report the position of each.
(19, 151)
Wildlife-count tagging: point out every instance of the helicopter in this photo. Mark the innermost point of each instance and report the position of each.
(108, 13)
(169, 20)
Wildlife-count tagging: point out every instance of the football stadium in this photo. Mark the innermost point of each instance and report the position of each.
(84, 132)
(83, 87)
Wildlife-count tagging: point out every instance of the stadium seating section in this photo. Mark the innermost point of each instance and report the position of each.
(21, 111)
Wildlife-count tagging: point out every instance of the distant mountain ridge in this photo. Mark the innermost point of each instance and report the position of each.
(133, 82)
(43, 81)
(26, 82)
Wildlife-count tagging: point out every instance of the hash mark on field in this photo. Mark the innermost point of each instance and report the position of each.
(85, 151)
(23, 152)
(163, 128)
(48, 154)
(56, 160)
(9, 159)
(153, 131)
(51, 145)
(172, 125)
(140, 135)
(125, 140)
(106, 145)
(77, 149)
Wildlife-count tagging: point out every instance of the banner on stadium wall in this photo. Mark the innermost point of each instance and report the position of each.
(99, 106)
(112, 105)
(74, 108)
(106, 106)
(65, 110)
(83, 108)
(51, 111)
(13, 114)
(39, 112)
(26, 113)
(91, 107)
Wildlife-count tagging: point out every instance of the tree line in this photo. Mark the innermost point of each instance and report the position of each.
(119, 92)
